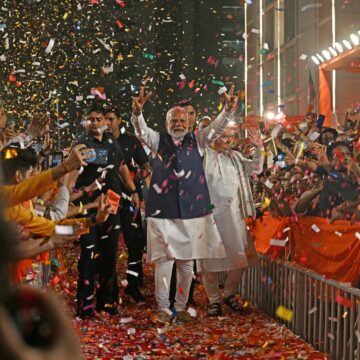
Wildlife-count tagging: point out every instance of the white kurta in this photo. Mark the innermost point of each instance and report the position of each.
(183, 239)
(224, 186)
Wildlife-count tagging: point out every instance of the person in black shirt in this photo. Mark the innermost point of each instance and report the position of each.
(99, 246)
(134, 236)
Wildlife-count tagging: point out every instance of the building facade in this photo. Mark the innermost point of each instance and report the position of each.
(284, 38)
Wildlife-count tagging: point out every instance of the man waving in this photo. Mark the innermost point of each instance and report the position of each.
(180, 223)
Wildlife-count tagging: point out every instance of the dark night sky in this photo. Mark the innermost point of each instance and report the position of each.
(160, 40)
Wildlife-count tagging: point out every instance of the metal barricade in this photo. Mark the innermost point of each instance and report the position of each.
(325, 312)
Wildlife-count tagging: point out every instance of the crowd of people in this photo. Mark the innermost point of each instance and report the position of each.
(199, 183)
(311, 170)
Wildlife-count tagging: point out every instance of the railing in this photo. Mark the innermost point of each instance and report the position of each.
(325, 312)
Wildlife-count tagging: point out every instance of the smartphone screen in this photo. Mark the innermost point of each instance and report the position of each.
(56, 158)
(100, 157)
(320, 121)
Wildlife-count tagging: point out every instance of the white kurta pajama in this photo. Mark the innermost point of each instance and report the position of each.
(227, 178)
(180, 239)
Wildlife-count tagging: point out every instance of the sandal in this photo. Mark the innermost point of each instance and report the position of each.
(214, 309)
(232, 303)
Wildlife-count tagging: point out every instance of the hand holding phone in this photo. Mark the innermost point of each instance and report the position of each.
(57, 158)
(320, 121)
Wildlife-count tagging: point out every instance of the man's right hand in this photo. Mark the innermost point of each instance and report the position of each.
(231, 99)
(139, 101)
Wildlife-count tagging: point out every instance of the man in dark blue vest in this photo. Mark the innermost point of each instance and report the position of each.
(181, 226)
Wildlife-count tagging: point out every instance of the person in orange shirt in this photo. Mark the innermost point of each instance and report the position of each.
(17, 170)
(27, 189)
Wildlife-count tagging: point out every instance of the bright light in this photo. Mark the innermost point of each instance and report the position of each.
(270, 115)
(320, 58)
(347, 44)
(333, 51)
(339, 48)
(326, 54)
(315, 60)
(355, 39)
(279, 115)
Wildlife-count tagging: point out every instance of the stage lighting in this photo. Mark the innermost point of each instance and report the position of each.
(326, 54)
(355, 39)
(347, 44)
(333, 51)
(315, 60)
(339, 48)
(320, 58)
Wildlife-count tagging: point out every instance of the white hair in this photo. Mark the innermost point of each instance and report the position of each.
(176, 109)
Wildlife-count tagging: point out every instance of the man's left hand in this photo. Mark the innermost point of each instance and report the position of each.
(255, 137)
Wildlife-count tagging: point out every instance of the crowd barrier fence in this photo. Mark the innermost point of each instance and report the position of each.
(325, 312)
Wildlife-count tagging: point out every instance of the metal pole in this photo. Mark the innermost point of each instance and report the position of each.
(58, 127)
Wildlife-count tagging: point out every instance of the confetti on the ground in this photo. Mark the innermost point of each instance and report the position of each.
(231, 336)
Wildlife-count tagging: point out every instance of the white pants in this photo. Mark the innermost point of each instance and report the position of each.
(211, 283)
(184, 274)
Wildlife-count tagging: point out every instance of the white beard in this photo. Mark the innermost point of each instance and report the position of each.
(177, 135)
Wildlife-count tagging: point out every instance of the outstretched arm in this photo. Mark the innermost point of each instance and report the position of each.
(206, 136)
(255, 165)
(149, 136)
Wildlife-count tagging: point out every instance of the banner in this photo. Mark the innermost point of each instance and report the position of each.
(332, 250)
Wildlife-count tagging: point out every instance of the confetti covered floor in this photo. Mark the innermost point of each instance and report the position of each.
(134, 334)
